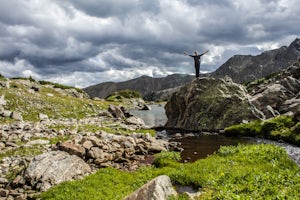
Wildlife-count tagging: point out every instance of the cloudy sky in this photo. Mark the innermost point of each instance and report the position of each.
(85, 42)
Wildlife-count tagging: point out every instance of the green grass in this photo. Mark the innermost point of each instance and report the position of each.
(57, 85)
(277, 128)
(21, 151)
(242, 172)
(56, 105)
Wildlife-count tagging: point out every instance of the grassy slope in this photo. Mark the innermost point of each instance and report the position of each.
(243, 172)
(48, 101)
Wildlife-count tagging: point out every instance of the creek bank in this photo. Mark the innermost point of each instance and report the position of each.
(196, 145)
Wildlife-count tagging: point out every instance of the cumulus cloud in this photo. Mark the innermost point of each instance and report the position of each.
(82, 43)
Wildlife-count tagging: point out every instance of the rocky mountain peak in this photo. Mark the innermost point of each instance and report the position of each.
(244, 68)
(295, 44)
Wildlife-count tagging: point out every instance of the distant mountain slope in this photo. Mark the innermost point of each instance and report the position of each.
(243, 68)
(144, 84)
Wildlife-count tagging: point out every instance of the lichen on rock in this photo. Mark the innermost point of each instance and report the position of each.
(209, 104)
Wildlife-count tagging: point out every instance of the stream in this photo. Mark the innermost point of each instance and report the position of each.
(201, 146)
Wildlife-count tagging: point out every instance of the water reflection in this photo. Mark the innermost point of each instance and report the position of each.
(154, 117)
(203, 145)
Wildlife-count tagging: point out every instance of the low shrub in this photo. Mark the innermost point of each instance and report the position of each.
(277, 128)
(251, 129)
(57, 85)
(166, 158)
(123, 94)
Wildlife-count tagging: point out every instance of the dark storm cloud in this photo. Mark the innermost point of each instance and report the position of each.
(80, 43)
(104, 8)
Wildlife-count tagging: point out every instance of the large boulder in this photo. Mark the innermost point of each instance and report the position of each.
(209, 104)
(55, 167)
(159, 188)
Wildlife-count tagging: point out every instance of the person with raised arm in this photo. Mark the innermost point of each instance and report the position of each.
(197, 60)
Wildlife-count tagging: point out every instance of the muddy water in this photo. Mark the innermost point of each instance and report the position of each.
(201, 146)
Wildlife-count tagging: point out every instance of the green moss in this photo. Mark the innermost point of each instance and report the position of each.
(166, 158)
(252, 129)
(242, 172)
(277, 128)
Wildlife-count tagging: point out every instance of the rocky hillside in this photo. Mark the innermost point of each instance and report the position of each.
(278, 94)
(213, 104)
(145, 85)
(243, 68)
(50, 133)
(33, 99)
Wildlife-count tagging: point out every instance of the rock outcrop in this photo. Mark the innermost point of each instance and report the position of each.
(278, 95)
(209, 104)
(159, 188)
(213, 104)
(55, 167)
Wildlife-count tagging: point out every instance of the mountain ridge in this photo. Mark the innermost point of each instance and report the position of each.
(144, 84)
(241, 68)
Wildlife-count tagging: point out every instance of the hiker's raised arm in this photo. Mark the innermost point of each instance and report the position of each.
(185, 53)
(204, 53)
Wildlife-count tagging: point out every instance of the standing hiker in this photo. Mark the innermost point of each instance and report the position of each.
(197, 59)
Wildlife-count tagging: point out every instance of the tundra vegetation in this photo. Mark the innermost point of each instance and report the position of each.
(283, 128)
(234, 172)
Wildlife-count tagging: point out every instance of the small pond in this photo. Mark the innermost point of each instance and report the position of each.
(155, 117)
(200, 146)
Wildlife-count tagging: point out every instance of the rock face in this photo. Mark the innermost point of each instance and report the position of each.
(53, 168)
(159, 188)
(209, 104)
(161, 95)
